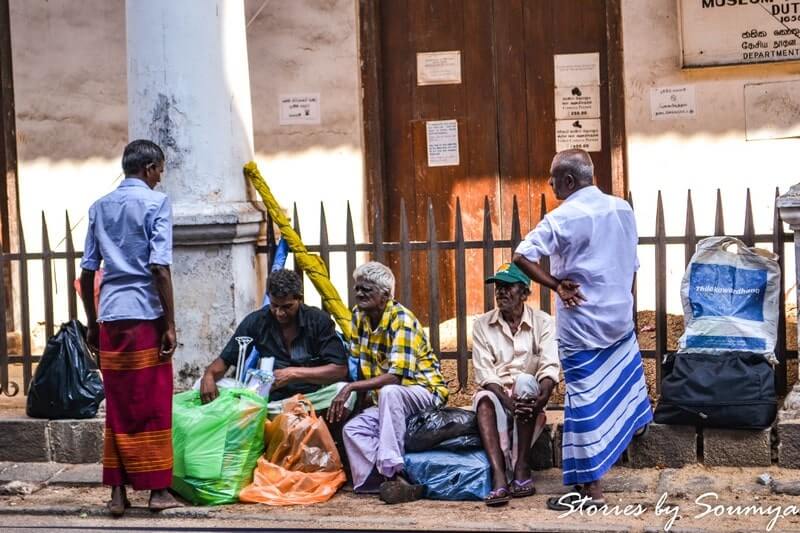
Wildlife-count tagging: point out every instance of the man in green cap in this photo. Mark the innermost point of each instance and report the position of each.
(515, 358)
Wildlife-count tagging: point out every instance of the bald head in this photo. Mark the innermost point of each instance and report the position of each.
(570, 171)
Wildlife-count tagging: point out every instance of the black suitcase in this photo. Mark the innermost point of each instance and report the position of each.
(733, 391)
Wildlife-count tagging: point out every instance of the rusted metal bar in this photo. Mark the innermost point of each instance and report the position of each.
(378, 252)
(719, 218)
(272, 245)
(350, 251)
(690, 232)
(661, 291)
(324, 250)
(25, 311)
(72, 297)
(749, 227)
(405, 257)
(516, 234)
(4, 381)
(781, 373)
(47, 279)
(488, 256)
(461, 301)
(544, 292)
(296, 227)
(433, 279)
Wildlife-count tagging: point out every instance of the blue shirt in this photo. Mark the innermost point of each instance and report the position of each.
(129, 230)
(591, 239)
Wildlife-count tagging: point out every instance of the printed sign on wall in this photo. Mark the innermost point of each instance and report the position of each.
(577, 69)
(676, 101)
(439, 68)
(578, 102)
(299, 109)
(442, 138)
(728, 32)
(583, 134)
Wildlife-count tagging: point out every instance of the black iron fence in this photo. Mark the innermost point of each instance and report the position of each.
(401, 250)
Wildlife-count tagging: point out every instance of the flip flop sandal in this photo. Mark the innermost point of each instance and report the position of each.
(522, 488)
(641, 432)
(497, 497)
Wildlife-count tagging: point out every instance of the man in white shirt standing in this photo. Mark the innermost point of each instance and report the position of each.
(515, 358)
(591, 240)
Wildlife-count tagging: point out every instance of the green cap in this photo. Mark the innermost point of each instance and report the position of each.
(510, 273)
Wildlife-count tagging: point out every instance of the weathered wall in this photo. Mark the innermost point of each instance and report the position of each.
(704, 153)
(70, 87)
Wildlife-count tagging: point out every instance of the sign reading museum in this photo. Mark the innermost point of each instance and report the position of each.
(732, 32)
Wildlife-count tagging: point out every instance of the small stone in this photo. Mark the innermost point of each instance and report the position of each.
(18, 488)
(764, 479)
(83, 515)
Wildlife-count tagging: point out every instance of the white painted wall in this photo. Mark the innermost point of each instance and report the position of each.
(704, 153)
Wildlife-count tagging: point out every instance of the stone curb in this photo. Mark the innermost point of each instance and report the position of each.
(94, 511)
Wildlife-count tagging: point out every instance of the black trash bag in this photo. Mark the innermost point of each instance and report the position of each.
(67, 381)
(426, 429)
(460, 444)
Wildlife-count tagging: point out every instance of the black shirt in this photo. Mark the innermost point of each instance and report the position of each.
(316, 344)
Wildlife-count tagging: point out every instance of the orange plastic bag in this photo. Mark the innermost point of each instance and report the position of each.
(301, 464)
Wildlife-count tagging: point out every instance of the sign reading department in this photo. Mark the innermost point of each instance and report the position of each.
(732, 32)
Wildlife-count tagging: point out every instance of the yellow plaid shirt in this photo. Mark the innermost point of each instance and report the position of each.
(397, 346)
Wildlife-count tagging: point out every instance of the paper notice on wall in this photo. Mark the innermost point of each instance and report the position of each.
(674, 102)
(577, 69)
(442, 138)
(578, 102)
(299, 109)
(581, 133)
(439, 68)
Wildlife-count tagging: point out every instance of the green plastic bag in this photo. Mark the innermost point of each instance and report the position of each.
(216, 445)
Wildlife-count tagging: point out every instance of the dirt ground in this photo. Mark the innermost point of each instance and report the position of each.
(732, 488)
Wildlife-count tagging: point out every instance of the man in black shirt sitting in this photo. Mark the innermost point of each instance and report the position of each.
(309, 357)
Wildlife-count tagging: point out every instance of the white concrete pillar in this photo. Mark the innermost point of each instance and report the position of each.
(189, 91)
(789, 207)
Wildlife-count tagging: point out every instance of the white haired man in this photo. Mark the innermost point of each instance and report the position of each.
(401, 373)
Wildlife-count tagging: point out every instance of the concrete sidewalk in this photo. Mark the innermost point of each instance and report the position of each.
(33, 493)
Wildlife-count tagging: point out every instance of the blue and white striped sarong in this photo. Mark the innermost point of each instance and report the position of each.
(606, 402)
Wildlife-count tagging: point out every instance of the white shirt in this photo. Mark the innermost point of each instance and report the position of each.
(499, 356)
(591, 239)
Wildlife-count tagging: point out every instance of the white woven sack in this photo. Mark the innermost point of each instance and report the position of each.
(730, 299)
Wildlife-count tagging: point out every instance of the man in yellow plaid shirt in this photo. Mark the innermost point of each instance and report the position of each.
(401, 373)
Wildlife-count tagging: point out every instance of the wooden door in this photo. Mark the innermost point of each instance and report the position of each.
(504, 107)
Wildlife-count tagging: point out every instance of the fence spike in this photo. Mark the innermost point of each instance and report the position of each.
(661, 291)
(488, 255)
(405, 256)
(272, 244)
(324, 249)
(433, 278)
(47, 279)
(749, 226)
(461, 300)
(296, 227)
(630, 199)
(778, 248)
(690, 231)
(516, 235)
(544, 292)
(719, 220)
(72, 300)
(350, 250)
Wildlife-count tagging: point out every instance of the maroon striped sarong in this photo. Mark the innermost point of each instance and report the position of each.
(138, 387)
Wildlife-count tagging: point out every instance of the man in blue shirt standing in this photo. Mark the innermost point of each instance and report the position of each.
(130, 232)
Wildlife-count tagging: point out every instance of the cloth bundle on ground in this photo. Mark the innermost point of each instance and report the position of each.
(735, 390)
(301, 464)
(216, 445)
(67, 381)
(446, 475)
(448, 428)
(730, 300)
